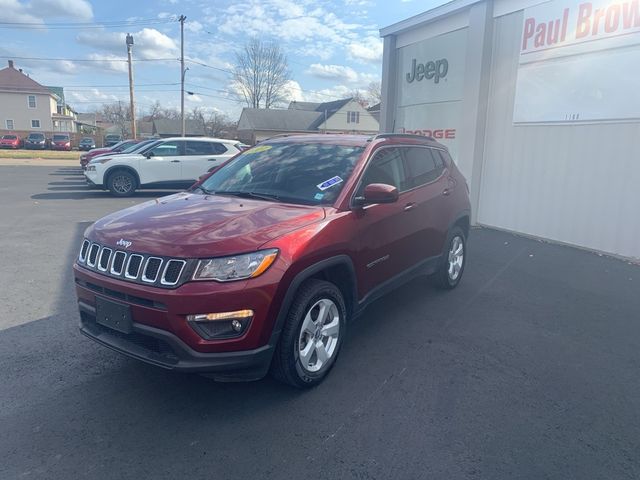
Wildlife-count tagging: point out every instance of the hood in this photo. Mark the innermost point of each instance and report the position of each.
(190, 225)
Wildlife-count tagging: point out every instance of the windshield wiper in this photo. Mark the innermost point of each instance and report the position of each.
(244, 194)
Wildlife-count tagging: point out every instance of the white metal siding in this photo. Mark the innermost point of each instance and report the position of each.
(578, 184)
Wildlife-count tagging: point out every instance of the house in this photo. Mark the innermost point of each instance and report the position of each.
(375, 111)
(64, 118)
(25, 105)
(339, 116)
(165, 127)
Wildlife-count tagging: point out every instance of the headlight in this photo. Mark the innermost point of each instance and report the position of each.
(100, 160)
(90, 168)
(237, 267)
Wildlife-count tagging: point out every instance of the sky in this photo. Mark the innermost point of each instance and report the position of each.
(332, 46)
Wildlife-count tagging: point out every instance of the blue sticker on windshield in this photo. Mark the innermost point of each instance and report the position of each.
(329, 183)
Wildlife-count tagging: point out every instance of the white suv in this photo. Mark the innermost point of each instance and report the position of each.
(174, 161)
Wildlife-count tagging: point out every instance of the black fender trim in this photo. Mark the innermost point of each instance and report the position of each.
(305, 275)
(110, 170)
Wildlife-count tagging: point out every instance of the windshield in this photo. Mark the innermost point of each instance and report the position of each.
(119, 147)
(9, 137)
(304, 173)
(36, 136)
(86, 140)
(57, 138)
(112, 137)
(137, 147)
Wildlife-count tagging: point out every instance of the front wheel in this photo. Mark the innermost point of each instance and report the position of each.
(122, 183)
(312, 335)
(453, 260)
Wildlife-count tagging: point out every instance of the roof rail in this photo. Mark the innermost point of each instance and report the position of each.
(402, 135)
(281, 135)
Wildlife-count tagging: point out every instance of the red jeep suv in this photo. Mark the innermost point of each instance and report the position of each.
(261, 265)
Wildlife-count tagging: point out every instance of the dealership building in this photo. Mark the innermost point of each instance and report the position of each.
(539, 104)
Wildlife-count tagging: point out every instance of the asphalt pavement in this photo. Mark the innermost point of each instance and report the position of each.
(528, 370)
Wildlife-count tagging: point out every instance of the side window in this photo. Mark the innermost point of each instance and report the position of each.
(193, 147)
(218, 148)
(168, 149)
(385, 167)
(446, 158)
(423, 164)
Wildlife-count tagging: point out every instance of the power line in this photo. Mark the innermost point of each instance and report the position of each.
(85, 25)
(49, 59)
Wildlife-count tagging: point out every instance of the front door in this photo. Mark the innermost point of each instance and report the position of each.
(162, 163)
(383, 229)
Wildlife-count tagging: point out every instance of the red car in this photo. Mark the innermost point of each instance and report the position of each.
(118, 147)
(61, 141)
(10, 141)
(260, 266)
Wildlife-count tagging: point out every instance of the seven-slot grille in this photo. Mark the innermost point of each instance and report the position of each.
(135, 267)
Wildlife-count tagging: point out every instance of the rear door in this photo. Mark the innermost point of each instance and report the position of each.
(163, 163)
(201, 156)
(426, 201)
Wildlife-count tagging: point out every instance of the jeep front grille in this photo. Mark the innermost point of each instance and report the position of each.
(133, 267)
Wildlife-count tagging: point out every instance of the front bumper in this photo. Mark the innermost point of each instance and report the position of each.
(164, 349)
(162, 336)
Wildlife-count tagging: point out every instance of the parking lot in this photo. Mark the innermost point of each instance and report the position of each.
(528, 370)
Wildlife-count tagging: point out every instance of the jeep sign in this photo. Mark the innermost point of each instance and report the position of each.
(431, 70)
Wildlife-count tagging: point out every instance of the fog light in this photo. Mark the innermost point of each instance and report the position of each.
(221, 325)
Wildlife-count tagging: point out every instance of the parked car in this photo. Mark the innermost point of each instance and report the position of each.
(10, 141)
(259, 266)
(36, 141)
(170, 162)
(118, 147)
(61, 141)
(111, 139)
(86, 144)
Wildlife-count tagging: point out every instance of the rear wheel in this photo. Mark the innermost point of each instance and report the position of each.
(312, 335)
(122, 183)
(452, 263)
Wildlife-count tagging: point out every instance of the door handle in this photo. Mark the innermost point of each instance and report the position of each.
(446, 192)
(212, 159)
(175, 161)
(409, 206)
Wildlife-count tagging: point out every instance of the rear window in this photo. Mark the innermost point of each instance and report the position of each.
(9, 137)
(59, 138)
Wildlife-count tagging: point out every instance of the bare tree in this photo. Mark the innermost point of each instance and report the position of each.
(374, 92)
(359, 97)
(261, 74)
(118, 114)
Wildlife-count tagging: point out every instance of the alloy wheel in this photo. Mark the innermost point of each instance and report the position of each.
(456, 258)
(318, 337)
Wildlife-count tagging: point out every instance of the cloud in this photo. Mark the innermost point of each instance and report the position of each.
(37, 11)
(148, 43)
(109, 63)
(333, 72)
(342, 74)
(193, 26)
(368, 50)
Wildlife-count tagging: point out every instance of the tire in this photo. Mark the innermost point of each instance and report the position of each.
(452, 265)
(296, 360)
(122, 183)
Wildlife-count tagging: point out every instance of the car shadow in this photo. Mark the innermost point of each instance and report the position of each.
(75, 188)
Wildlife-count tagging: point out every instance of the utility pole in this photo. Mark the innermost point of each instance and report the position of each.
(182, 71)
(133, 104)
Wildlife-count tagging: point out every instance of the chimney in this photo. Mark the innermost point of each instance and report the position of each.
(10, 63)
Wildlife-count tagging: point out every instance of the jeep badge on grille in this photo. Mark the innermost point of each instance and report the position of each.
(123, 243)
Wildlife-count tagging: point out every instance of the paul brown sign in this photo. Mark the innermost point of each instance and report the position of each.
(432, 70)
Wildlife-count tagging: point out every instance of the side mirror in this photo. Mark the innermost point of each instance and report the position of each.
(148, 154)
(378, 193)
